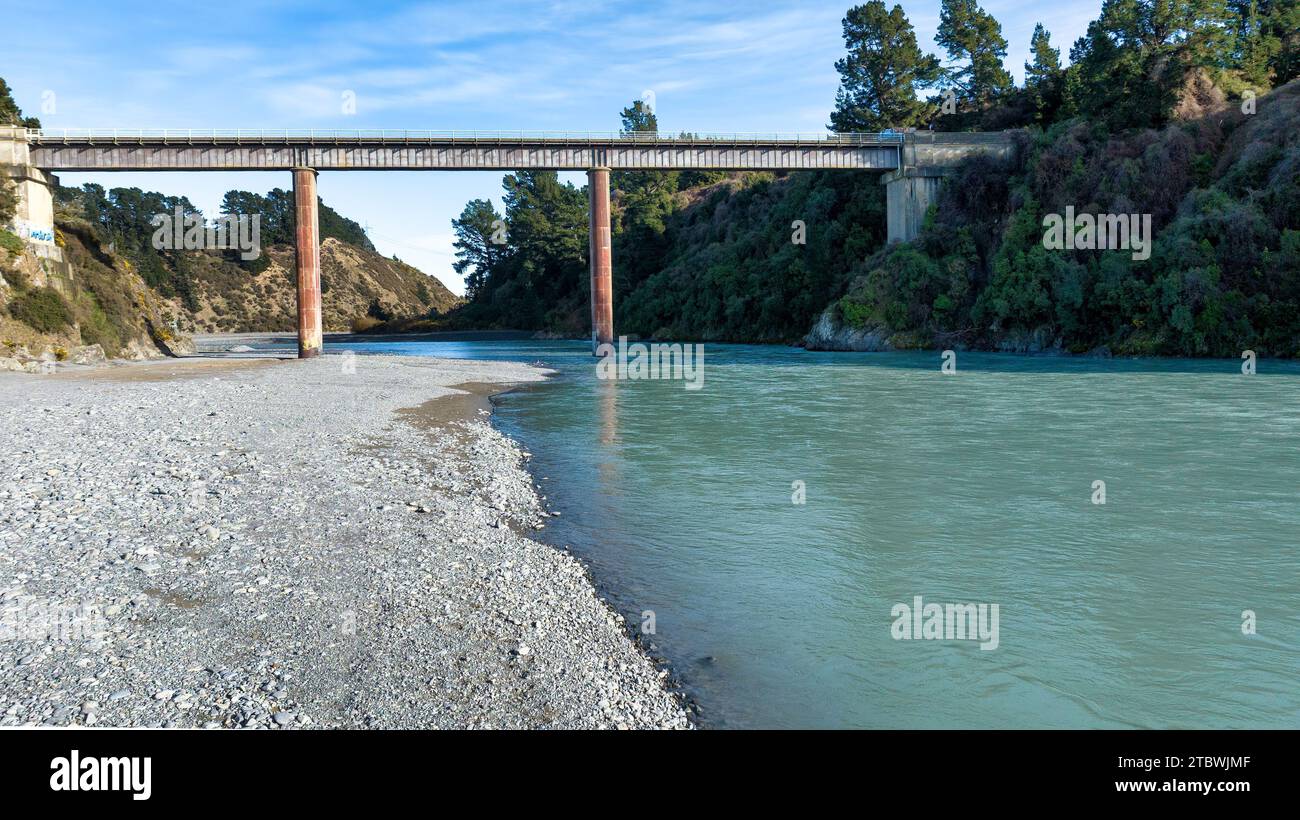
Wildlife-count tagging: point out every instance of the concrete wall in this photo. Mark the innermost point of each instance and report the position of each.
(34, 219)
(928, 156)
(908, 195)
(13, 146)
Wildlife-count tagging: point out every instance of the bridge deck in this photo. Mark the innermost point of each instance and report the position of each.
(186, 150)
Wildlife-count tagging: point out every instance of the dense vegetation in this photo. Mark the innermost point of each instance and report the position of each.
(43, 309)
(10, 113)
(1167, 109)
(1223, 276)
(121, 218)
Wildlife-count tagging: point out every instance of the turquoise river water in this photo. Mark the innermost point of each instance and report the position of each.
(974, 487)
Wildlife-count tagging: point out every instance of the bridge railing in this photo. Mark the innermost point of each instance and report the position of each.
(384, 136)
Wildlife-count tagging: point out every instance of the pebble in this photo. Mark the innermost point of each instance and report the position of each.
(236, 540)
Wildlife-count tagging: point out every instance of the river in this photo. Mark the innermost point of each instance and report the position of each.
(977, 487)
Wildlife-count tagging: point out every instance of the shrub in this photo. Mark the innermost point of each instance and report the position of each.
(97, 328)
(363, 323)
(8, 202)
(10, 242)
(42, 309)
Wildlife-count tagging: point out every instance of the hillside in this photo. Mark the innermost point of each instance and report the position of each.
(716, 261)
(355, 282)
(1223, 275)
(218, 291)
(93, 305)
(116, 296)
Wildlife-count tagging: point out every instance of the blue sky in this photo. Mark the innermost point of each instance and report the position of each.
(712, 66)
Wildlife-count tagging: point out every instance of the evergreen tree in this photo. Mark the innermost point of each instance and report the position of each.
(480, 245)
(1255, 47)
(1266, 45)
(1284, 22)
(1134, 58)
(1043, 77)
(639, 118)
(10, 113)
(642, 202)
(882, 72)
(278, 216)
(973, 40)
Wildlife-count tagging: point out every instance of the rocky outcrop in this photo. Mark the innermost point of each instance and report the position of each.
(94, 306)
(1041, 340)
(830, 333)
(22, 360)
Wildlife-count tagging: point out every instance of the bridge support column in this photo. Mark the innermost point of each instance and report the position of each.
(307, 244)
(909, 192)
(602, 265)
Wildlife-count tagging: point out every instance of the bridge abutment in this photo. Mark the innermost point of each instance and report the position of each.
(909, 192)
(924, 159)
(307, 247)
(33, 219)
(602, 264)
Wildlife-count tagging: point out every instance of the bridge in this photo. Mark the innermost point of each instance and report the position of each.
(912, 165)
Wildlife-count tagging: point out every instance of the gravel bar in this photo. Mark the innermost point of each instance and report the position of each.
(276, 547)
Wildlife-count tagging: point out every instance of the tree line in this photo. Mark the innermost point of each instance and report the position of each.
(123, 219)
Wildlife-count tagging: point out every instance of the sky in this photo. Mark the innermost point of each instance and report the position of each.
(534, 66)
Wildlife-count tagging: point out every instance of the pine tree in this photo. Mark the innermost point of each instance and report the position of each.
(639, 118)
(1266, 46)
(1135, 57)
(479, 248)
(10, 113)
(1255, 46)
(1284, 22)
(882, 72)
(973, 40)
(1043, 76)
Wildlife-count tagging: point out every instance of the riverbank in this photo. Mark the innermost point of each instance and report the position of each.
(273, 544)
(242, 343)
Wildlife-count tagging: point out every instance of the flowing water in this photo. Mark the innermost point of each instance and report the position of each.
(975, 487)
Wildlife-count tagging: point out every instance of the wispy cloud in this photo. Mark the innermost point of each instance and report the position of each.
(455, 64)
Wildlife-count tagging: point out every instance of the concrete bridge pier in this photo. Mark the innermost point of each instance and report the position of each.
(307, 245)
(909, 192)
(602, 265)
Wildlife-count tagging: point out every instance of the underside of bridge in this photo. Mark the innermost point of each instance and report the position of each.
(913, 165)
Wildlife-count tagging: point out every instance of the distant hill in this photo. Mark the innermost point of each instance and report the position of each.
(355, 283)
(216, 291)
(116, 291)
